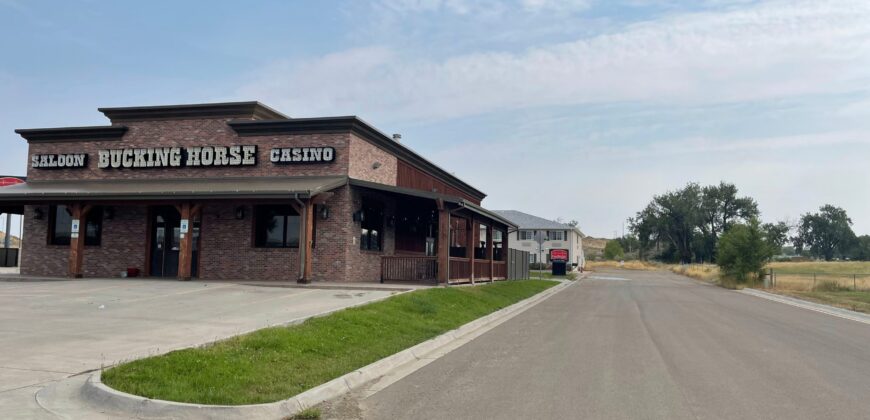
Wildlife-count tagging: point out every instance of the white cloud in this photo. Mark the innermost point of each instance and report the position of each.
(555, 5)
(772, 50)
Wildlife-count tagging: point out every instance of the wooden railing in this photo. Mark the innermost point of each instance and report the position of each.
(419, 269)
(481, 269)
(499, 270)
(460, 268)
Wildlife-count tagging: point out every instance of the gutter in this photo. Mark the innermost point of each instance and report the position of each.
(304, 247)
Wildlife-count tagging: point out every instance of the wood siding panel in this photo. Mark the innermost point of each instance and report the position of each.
(408, 176)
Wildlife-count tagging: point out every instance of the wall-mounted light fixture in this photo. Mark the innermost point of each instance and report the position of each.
(324, 212)
(240, 212)
(37, 213)
(359, 216)
(376, 165)
(109, 213)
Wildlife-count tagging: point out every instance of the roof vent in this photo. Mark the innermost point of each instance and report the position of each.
(397, 137)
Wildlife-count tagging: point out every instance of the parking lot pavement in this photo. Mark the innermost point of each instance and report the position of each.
(53, 330)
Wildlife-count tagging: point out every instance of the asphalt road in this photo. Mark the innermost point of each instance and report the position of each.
(646, 345)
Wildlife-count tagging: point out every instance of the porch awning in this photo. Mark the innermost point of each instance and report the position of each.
(459, 201)
(163, 189)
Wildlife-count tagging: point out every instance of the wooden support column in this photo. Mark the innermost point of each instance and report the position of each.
(470, 242)
(185, 249)
(489, 253)
(79, 213)
(443, 251)
(307, 240)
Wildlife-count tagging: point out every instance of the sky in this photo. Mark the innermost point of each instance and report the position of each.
(572, 109)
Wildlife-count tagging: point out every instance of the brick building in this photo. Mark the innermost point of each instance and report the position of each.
(241, 191)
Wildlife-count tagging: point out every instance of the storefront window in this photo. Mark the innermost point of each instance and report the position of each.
(372, 227)
(497, 246)
(276, 227)
(480, 249)
(60, 225)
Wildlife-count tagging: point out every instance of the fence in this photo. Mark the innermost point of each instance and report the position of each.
(417, 269)
(818, 281)
(518, 264)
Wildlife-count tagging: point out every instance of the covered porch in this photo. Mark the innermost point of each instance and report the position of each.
(441, 239)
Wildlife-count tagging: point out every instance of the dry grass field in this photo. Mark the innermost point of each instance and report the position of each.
(628, 265)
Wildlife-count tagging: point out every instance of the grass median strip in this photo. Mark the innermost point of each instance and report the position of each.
(273, 364)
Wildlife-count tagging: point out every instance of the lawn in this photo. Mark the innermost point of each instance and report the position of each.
(548, 274)
(277, 363)
(856, 301)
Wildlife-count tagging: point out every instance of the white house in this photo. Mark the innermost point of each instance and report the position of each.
(538, 236)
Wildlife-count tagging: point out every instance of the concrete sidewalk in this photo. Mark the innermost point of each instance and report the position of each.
(53, 330)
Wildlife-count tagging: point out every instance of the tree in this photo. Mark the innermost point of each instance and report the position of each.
(825, 233)
(743, 251)
(720, 208)
(613, 250)
(861, 249)
(776, 235)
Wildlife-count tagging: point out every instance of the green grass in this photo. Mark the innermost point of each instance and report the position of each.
(277, 363)
(856, 301)
(548, 275)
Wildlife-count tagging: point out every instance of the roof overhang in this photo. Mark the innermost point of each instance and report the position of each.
(249, 110)
(169, 189)
(460, 202)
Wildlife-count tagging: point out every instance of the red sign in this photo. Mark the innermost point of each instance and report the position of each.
(10, 180)
(558, 255)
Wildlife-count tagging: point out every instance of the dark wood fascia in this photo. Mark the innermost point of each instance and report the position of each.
(63, 134)
(355, 125)
(252, 109)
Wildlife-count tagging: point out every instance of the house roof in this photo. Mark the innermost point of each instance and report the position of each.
(529, 221)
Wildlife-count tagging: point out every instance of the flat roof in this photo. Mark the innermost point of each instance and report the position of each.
(163, 189)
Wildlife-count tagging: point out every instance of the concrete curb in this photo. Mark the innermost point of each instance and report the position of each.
(812, 306)
(100, 395)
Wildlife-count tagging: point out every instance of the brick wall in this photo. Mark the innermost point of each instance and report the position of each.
(365, 156)
(37, 257)
(195, 132)
(227, 252)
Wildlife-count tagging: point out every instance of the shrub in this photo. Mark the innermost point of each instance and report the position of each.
(743, 251)
(537, 266)
(830, 286)
(613, 251)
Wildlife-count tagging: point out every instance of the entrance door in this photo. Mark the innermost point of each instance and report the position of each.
(165, 241)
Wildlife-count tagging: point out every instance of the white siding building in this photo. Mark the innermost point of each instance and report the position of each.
(538, 236)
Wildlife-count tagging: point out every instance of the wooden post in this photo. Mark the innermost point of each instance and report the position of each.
(185, 249)
(489, 253)
(307, 237)
(443, 251)
(79, 213)
(470, 244)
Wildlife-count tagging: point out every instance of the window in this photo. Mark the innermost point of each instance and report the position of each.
(480, 249)
(60, 226)
(497, 246)
(557, 235)
(276, 227)
(533, 258)
(372, 227)
(527, 235)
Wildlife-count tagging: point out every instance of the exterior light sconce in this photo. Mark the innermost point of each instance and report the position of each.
(109, 213)
(37, 214)
(324, 212)
(391, 221)
(376, 165)
(240, 212)
(359, 216)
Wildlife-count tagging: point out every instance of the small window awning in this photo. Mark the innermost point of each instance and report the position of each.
(170, 189)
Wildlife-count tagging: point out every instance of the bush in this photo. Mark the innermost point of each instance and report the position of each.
(613, 251)
(743, 251)
(830, 286)
(537, 266)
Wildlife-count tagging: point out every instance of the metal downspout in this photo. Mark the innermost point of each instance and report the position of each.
(304, 246)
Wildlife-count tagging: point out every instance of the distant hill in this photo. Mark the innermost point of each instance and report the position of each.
(593, 248)
(15, 243)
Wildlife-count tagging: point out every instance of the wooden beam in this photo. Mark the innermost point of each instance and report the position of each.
(185, 251)
(443, 252)
(307, 230)
(489, 252)
(470, 243)
(78, 211)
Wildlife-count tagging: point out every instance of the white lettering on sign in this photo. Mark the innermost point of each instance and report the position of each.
(174, 157)
(59, 161)
(302, 155)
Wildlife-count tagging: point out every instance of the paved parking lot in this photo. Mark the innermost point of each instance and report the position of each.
(52, 330)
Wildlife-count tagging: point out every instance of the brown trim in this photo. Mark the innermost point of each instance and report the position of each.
(149, 225)
(251, 109)
(67, 134)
